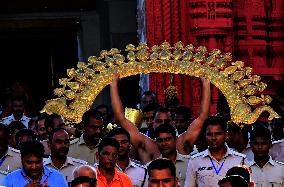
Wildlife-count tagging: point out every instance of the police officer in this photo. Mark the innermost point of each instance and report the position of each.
(18, 109)
(265, 170)
(136, 171)
(59, 145)
(10, 159)
(86, 146)
(208, 167)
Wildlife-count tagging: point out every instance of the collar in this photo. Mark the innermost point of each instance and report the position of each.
(23, 118)
(270, 161)
(115, 177)
(130, 164)
(228, 152)
(81, 140)
(68, 161)
(9, 152)
(179, 157)
(46, 173)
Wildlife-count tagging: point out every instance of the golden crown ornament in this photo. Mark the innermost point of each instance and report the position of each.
(240, 87)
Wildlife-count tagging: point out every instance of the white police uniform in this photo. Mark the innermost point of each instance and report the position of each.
(11, 160)
(204, 170)
(137, 173)
(277, 150)
(25, 120)
(271, 174)
(67, 168)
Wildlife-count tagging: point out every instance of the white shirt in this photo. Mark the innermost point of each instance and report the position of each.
(137, 173)
(25, 120)
(277, 150)
(270, 175)
(67, 168)
(200, 171)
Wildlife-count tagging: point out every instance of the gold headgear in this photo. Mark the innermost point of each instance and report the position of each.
(235, 81)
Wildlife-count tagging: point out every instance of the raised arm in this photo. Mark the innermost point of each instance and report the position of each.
(145, 146)
(187, 139)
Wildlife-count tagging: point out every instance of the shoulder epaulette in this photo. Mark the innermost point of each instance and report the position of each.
(80, 161)
(4, 172)
(238, 154)
(138, 163)
(282, 163)
(74, 141)
(197, 155)
(277, 141)
(15, 150)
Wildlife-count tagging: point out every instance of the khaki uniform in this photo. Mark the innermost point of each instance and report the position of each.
(137, 174)
(25, 120)
(201, 172)
(11, 160)
(67, 168)
(78, 149)
(277, 150)
(270, 175)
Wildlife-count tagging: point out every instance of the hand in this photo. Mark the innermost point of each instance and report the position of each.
(204, 80)
(115, 80)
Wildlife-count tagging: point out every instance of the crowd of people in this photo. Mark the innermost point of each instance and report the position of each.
(168, 148)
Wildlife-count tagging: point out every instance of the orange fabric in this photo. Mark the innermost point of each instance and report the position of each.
(119, 180)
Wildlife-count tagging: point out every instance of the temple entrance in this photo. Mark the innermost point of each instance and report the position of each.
(33, 59)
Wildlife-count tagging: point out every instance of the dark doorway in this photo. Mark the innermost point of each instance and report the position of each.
(36, 58)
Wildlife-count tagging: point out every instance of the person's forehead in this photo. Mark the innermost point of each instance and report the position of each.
(60, 135)
(163, 115)
(164, 134)
(161, 173)
(110, 149)
(120, 137)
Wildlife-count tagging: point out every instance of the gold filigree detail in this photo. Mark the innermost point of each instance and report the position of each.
(235, 81)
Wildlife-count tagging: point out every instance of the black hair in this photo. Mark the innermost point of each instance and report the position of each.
(234, 180)
(102, 106)
(48, 122)
(51, 134)
(260, 131)
(19, 98)
(107, 141)
(91, 113)
(5, 129)
(16, 125)
(32, 147)
(234, 128)
(165, 128)
(215, 120)
(39, 118)
(83, 179)
(151, 107)
(241, 170)
(117, 131)
(24, 132)
(160, 164)
(149, 93)
(185, 111)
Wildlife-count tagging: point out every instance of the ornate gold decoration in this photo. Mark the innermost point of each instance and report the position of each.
(134, 115)
(234, 80)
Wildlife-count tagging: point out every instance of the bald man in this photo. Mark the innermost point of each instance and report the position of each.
(85, 170)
